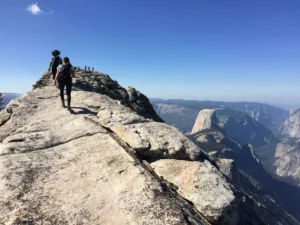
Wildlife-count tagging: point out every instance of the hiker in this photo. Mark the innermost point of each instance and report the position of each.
(65, 73)
(93, 69)
(55, 62)
(85, 67)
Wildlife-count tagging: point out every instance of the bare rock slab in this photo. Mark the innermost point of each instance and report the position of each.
(202, 184)
(158, 140)
(90, 180)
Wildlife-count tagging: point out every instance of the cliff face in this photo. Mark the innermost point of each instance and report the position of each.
(206, 120)
(287, 162)
(243, 128)
(246, 130)
(240, 127)
(291, 126)
(240, 163)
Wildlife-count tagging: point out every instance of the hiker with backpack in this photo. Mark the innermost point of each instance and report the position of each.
(55, 62)
(65, 73)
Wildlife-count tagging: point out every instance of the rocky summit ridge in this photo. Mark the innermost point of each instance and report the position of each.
(113, 161)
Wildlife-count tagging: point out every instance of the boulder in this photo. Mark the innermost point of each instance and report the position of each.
(202, 184)
(154, 140)
(4, 117)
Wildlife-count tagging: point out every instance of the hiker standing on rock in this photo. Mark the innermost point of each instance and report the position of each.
(55, 62)
(64, 76)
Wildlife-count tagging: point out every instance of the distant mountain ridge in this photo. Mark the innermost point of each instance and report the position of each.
(270, 116)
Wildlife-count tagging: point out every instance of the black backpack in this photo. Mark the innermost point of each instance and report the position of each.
(56, 62)
(65, 74)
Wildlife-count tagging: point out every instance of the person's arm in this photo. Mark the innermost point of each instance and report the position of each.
(72, 72)
(51, 61)
(56, 77)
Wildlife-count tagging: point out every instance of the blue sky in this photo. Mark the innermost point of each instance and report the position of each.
(190, 49)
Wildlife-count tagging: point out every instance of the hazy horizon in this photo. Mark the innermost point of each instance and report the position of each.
(283, 104)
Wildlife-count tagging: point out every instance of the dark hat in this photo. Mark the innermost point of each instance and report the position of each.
(66, 60)
(55, 52)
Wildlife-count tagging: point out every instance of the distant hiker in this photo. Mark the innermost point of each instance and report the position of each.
(93, 69)
(85, 67)
(64, 76)
(55, 62)
(89, 68)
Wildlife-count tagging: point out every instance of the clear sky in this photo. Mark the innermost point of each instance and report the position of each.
(189, 49)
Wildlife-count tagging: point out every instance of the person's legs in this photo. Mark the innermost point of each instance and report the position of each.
(54, 74)
(69, 89)
(62, 97)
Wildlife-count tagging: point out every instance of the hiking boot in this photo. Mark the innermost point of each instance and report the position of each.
(70, 110)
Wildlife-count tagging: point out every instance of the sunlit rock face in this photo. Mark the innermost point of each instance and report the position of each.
(287, 157)
(291, 125)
